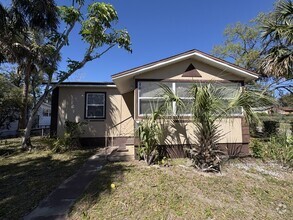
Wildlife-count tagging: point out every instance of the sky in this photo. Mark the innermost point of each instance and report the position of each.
(163, 28)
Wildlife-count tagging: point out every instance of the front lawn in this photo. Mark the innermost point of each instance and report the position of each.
(28, 177)
(248, 189)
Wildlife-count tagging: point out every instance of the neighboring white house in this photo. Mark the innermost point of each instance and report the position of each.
(11, 131)
(44, 116)
(263, 109)
(42, 120)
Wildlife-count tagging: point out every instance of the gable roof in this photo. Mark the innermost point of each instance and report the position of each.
(195, 54)
(183, 56)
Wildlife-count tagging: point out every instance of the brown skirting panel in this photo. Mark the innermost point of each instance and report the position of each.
(172, 151)
(233, 150)
(245, 131)
(92, 141)
(109, 141)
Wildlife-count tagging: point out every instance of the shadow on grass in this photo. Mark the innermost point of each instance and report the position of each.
(112, 173)
(28, 179)
(6, 152)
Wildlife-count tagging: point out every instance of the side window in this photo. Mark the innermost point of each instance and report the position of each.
(46, 112)
(95, 104)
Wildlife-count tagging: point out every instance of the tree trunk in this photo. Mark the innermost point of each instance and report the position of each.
(24, 109)
(26, 143)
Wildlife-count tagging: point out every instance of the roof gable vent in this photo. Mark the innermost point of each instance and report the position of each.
(191, 72)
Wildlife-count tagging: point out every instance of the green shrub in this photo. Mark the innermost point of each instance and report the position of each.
(72, 133)
(257, 147)
(60, 145)
(270, 127)
(149, 132)
(278, 148)
(253, 129)
(281, 149)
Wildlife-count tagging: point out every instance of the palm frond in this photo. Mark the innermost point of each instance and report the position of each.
(169, 98)
(277, 32)
(41, 15)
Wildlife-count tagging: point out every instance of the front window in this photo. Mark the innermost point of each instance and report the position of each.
(95, 105)
(151, 96)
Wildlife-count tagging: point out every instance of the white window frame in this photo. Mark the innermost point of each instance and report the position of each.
(242, 112)
(181, 97)
(95, 105)
(174, 107)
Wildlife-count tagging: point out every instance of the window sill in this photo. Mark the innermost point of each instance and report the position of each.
(94, 119)
(188, 118)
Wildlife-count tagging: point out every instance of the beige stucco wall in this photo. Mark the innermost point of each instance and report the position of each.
(121, 110)
(174, 72)
(183, 132)
(118, 122)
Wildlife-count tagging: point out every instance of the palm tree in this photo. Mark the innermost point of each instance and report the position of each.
(210, 106)
(26, 24)
(277, 33)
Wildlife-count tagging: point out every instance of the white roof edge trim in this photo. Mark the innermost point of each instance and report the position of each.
(156, 65)
(183, 57)
(99, 86)
(226, 65)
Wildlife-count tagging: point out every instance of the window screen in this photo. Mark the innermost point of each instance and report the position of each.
(95, 105)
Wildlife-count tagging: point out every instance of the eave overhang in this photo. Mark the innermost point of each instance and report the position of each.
(125, 81)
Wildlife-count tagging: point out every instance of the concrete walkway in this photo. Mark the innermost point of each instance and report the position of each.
(59, 202)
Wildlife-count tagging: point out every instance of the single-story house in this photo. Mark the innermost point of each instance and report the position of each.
(113, 109)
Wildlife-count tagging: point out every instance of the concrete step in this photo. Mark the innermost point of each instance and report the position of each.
(124, 154)
(118, 153)
(122, 150)
(115, 158)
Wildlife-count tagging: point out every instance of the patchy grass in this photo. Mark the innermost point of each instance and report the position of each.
(28, 177)
(244, 190)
